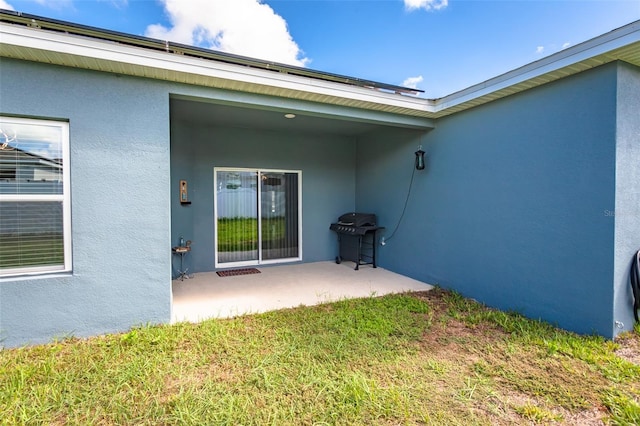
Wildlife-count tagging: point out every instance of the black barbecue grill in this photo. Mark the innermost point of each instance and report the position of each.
(357, 238)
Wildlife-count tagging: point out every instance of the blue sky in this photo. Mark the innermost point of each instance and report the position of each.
(439, 46)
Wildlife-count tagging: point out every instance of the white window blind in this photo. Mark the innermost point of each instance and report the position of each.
(34, 196)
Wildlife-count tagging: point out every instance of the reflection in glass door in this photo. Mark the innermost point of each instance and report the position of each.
(257, 216)
(237, 216)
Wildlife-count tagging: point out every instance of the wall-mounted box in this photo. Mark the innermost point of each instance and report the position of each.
(184, 194)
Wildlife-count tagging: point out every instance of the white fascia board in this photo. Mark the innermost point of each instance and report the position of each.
(108, 51)
(115, 52)
(601, 45)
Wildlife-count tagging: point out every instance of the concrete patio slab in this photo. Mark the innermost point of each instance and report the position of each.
(207, 295)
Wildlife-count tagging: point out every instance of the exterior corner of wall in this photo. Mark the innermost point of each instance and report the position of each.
(627, 204)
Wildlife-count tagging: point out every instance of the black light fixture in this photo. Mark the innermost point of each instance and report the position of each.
(420, 158)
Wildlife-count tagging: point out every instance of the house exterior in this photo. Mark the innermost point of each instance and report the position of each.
(530, 199)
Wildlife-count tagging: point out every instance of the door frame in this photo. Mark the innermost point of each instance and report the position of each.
(258, 261)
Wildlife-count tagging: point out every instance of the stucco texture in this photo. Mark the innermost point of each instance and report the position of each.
(120, 206)
(509, 209)
(627, 204)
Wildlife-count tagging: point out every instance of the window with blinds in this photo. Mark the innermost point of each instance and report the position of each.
(34, 196)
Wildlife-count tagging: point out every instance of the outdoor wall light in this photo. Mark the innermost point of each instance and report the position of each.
(289, 116)
(420, 158)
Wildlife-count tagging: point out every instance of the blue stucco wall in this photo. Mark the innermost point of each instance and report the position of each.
(510, 207)
(124, 186)
(328, 181)
(627, 204)
(119, 148)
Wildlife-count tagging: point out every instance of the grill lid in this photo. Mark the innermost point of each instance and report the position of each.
(357, 219)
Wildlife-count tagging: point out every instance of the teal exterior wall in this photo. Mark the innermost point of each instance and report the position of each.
(127, 157)
(120, 204)
(328, 181)
(510, 208)
(627, 205)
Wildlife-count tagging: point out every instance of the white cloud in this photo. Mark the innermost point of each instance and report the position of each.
(551, 48)
(242, 27)
(425, 4)
(412, 82)
(5, 5)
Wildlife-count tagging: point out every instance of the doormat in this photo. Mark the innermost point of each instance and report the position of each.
(234, 272)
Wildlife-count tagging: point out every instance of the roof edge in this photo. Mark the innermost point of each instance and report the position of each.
(591, 48)
(109, 50)
(56, 47)
(35, 21)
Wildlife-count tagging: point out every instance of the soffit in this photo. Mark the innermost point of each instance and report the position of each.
(34, 44)
(80, 52)
(198, 113)
(629, 54)
(622, 44)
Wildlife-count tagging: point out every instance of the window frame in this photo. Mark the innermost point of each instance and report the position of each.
(259, 261)
(65, 198)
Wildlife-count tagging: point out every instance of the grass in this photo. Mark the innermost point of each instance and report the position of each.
(428, 358)
(241, 234)
(31, 250)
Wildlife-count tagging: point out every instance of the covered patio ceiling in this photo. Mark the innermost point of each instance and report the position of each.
(214, 114)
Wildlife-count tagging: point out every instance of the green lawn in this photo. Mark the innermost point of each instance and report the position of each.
(31, 250)
(429, 358)
(241, 234)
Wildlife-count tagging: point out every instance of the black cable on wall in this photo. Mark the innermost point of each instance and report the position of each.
(419, 165)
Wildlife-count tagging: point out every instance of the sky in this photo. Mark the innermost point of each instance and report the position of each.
(438, 46)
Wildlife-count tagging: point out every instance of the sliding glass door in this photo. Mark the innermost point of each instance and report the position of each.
(236, 212)
(257, 216)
